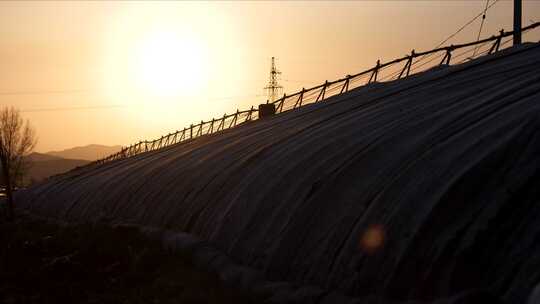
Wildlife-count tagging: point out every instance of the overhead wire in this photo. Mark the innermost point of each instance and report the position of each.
(43, 92)
(467, 24)
(96, 107)
(60, 109)
(460, 30)
(481, 26)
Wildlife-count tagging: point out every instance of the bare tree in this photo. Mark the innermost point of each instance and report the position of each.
(17, 140)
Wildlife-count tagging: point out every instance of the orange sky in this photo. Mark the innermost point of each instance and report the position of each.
(107, 72)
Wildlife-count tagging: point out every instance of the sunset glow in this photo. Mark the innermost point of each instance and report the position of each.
(170, 63)
(157, 60)
(117, 72)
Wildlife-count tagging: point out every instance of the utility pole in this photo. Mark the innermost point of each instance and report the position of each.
(273, 87)
(517, 22)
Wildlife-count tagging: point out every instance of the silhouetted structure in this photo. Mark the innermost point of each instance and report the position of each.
(266, 110)
(517, 22)
(273, 87)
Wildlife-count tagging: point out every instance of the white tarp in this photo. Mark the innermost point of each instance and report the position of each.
(417, 188)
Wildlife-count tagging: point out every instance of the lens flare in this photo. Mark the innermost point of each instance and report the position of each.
(372, 239)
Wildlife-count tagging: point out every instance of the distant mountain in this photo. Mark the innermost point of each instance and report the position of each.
(38, 157)
(90, 152)
(43, 166)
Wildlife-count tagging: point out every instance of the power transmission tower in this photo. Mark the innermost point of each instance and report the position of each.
(274, 88)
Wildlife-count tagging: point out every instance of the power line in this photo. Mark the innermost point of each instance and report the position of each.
(294, 80)
(43, 92)
(46, 92)
(459, 30)
(59, 109)
(111, 106)
(467, 24)
(233, 97)
(481, 26)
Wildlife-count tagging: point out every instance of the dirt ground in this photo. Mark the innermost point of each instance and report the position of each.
(46, 263)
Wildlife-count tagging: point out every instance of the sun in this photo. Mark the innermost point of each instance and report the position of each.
(169, 64)
(163, 61)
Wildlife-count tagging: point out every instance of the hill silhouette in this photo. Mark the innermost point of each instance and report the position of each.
(89, 152)
(43, 166)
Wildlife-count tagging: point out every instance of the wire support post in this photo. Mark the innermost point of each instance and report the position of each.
(345, 87)
(407, 68)
(323, 91)
(497, 43)
(447, 56)
(298, 102)
(373, 77)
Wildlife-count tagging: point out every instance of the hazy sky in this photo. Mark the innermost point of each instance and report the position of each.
(119, 72)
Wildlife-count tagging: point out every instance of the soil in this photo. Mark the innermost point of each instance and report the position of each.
(42, 262)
